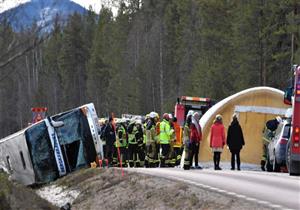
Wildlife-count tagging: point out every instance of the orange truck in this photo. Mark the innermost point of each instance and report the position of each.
(187, 103)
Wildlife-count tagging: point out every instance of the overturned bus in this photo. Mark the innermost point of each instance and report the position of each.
(52, 147)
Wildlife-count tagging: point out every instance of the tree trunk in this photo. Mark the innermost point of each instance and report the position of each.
(293, 37)
(161, 73)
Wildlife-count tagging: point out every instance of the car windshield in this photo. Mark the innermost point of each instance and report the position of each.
(286, 131)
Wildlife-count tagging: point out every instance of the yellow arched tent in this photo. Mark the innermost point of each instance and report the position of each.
(254, 106)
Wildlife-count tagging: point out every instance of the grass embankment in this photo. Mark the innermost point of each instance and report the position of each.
(16, 196)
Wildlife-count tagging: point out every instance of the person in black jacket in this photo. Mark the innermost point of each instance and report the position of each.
(235, 141)
(110, 138)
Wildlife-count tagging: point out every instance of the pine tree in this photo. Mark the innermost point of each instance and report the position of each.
(99, 67)
(73, 58)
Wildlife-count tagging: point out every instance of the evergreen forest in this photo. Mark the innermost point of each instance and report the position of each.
(147, 55)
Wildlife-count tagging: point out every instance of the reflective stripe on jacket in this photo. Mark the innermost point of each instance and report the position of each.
(121, 140)
(131, 136)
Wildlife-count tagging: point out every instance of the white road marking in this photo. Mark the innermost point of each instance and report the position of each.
(266, 203)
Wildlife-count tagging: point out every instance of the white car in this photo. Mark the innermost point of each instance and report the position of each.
(276, 156)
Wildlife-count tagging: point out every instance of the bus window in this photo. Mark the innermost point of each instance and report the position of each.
(41, 153)
(75, 139)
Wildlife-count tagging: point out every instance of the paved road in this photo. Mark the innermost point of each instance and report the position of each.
(275, 190)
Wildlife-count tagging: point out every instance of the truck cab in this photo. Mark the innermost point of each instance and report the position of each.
(187, 103)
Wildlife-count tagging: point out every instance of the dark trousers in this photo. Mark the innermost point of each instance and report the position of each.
(217, 158)
(123, 157)
(235, 153)
(165, 154)
(194, 153)
(109, 151)
(141, 154)
(177, 154)
(132, 154)
(157, 154)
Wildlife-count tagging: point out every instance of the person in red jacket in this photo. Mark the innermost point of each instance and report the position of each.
(195, 138)
(217, 140)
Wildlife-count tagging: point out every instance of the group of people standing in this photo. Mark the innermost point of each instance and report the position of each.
(136, 143)
(192, 136)
(160, 143)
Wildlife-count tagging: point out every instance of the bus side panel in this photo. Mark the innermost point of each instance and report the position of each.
(14, 153)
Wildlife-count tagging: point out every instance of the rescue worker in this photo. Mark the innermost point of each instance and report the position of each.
(177, 147)
(110, 138)
(165, 133)
(147, 118)
(195, 138)
(268, 135)
(151, 140)
(186, 142)
(101, 135)
(157, 141)
(132, 143)
(171, 156)
(121, 144)
(140, 162)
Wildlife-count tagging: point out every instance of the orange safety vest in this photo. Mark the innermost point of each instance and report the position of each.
(178, 132)
(157, 128)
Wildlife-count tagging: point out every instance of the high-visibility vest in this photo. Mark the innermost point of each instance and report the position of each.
(144, 133)
(151, 135)
(165, 132)
(157, 129)
(178, 133)
(131, 136)
(121, 142)
(186, 134)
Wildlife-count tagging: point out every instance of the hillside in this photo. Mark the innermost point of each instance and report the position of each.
(15, 196)
(41, 13)
(107, 189)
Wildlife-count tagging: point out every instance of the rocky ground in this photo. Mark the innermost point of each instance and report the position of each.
(107, 189)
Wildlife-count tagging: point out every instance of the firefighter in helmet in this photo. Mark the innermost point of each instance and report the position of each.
(268, 135)
(157, 140)
(140, 162)
(121, 143)
(177, 147)
(165, 132)
(186, 140)
(151, 140)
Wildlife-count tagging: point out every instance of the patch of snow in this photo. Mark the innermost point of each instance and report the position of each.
(3, 166)
(57, 195)
(9, 4)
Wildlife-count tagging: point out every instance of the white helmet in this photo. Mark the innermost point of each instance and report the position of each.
(190, 113)
(152, 115)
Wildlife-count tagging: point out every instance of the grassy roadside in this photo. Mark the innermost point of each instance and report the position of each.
(16, 196)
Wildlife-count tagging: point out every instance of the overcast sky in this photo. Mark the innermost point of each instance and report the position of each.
(96, 4)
